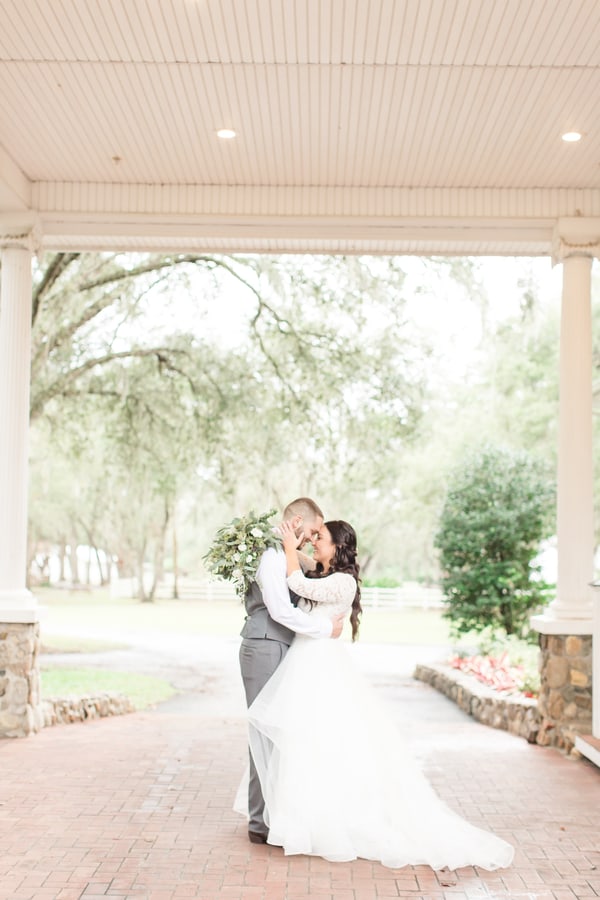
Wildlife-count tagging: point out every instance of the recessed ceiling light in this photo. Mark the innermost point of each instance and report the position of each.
(226, 133)
(571, 136)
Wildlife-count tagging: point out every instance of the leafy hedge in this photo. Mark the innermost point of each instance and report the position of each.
(497, 511)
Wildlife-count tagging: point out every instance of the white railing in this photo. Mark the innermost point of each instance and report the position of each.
(405, 597)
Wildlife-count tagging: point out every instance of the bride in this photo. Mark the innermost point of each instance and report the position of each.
(336, 775)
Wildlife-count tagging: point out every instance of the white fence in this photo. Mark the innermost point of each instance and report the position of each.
(405, 597)
(408, 596)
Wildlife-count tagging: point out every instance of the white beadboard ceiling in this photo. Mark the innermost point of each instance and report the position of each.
(341, 107)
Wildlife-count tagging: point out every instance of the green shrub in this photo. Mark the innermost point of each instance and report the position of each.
(384, 581)
(496, 513)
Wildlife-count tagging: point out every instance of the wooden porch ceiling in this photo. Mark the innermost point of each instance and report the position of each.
(377, 126)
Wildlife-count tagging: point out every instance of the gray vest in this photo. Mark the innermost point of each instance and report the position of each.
(259, 623)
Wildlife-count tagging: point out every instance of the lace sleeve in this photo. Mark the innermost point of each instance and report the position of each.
(338, 589)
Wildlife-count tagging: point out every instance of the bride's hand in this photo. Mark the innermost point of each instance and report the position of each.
(288, 536)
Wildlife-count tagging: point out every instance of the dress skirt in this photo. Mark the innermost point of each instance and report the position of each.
(338, 779)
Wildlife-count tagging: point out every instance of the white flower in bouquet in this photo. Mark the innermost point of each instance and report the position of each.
(238, 546)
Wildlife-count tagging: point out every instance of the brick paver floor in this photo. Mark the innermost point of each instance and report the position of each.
(140, 807)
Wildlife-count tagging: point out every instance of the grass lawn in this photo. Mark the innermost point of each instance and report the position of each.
(92, 621)
(70, 643)
(142, 690)
(69, 613)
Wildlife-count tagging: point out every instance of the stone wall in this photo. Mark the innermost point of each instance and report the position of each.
(565, 700)
(562, 711)
(22, 711)
(20, 706)
(62, 711)
(516, 714)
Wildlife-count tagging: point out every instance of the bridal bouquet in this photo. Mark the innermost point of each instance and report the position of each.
(236, 550)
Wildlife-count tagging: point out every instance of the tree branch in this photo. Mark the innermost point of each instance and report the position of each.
(58, 387)
(63, 334)
(155, 264)
(58, 265)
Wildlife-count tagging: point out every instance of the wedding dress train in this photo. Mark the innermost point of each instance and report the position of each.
(337, 777)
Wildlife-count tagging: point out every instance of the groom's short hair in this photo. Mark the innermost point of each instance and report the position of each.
(304, 507)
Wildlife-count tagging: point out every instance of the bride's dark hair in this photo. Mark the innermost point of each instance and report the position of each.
(344, 560)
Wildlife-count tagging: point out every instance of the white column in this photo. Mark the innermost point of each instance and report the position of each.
(575, 486)
(17, 604)
(576, 242)
(596, 669)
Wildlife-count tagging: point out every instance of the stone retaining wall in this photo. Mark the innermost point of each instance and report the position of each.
(22, 710)
(518, 715)
(563, 709)
(20, 705)
(62, 711)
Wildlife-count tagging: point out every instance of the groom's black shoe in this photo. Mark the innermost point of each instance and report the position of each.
(256, 837)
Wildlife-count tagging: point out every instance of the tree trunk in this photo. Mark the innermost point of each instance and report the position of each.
(152, 592)
(62, 558)
(159, 552)
(506, 613)
(88, 567)
(126, 565)
(365, 563)
(175, 564)
(73, 561)
(105, 571)
(141, 588)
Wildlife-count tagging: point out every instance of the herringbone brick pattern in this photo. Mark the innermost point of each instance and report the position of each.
(140, 807)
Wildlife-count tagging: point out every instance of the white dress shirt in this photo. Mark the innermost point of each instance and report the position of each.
(271, 579)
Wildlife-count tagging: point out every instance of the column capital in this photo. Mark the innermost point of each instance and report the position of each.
(20, 231)
(575, 236)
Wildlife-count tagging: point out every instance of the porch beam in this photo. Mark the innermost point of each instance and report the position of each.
(15, 187)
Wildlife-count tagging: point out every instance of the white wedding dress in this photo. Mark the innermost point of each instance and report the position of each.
(336, 775)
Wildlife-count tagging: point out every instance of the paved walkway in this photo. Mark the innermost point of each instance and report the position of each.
(140, 806)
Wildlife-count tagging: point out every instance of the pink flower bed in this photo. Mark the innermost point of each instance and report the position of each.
(495, 671)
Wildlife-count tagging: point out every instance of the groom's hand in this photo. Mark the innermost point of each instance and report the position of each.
(337, 625)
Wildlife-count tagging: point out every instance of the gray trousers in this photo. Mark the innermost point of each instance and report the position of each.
(259, 657)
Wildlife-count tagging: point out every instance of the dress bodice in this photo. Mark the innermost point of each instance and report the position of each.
(331, 595)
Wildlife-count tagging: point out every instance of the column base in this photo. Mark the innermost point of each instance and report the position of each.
(18, 606)
(565, 700)
(550, 624)
(20, 702)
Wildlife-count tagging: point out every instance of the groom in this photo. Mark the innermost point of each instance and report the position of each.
(271, 623)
